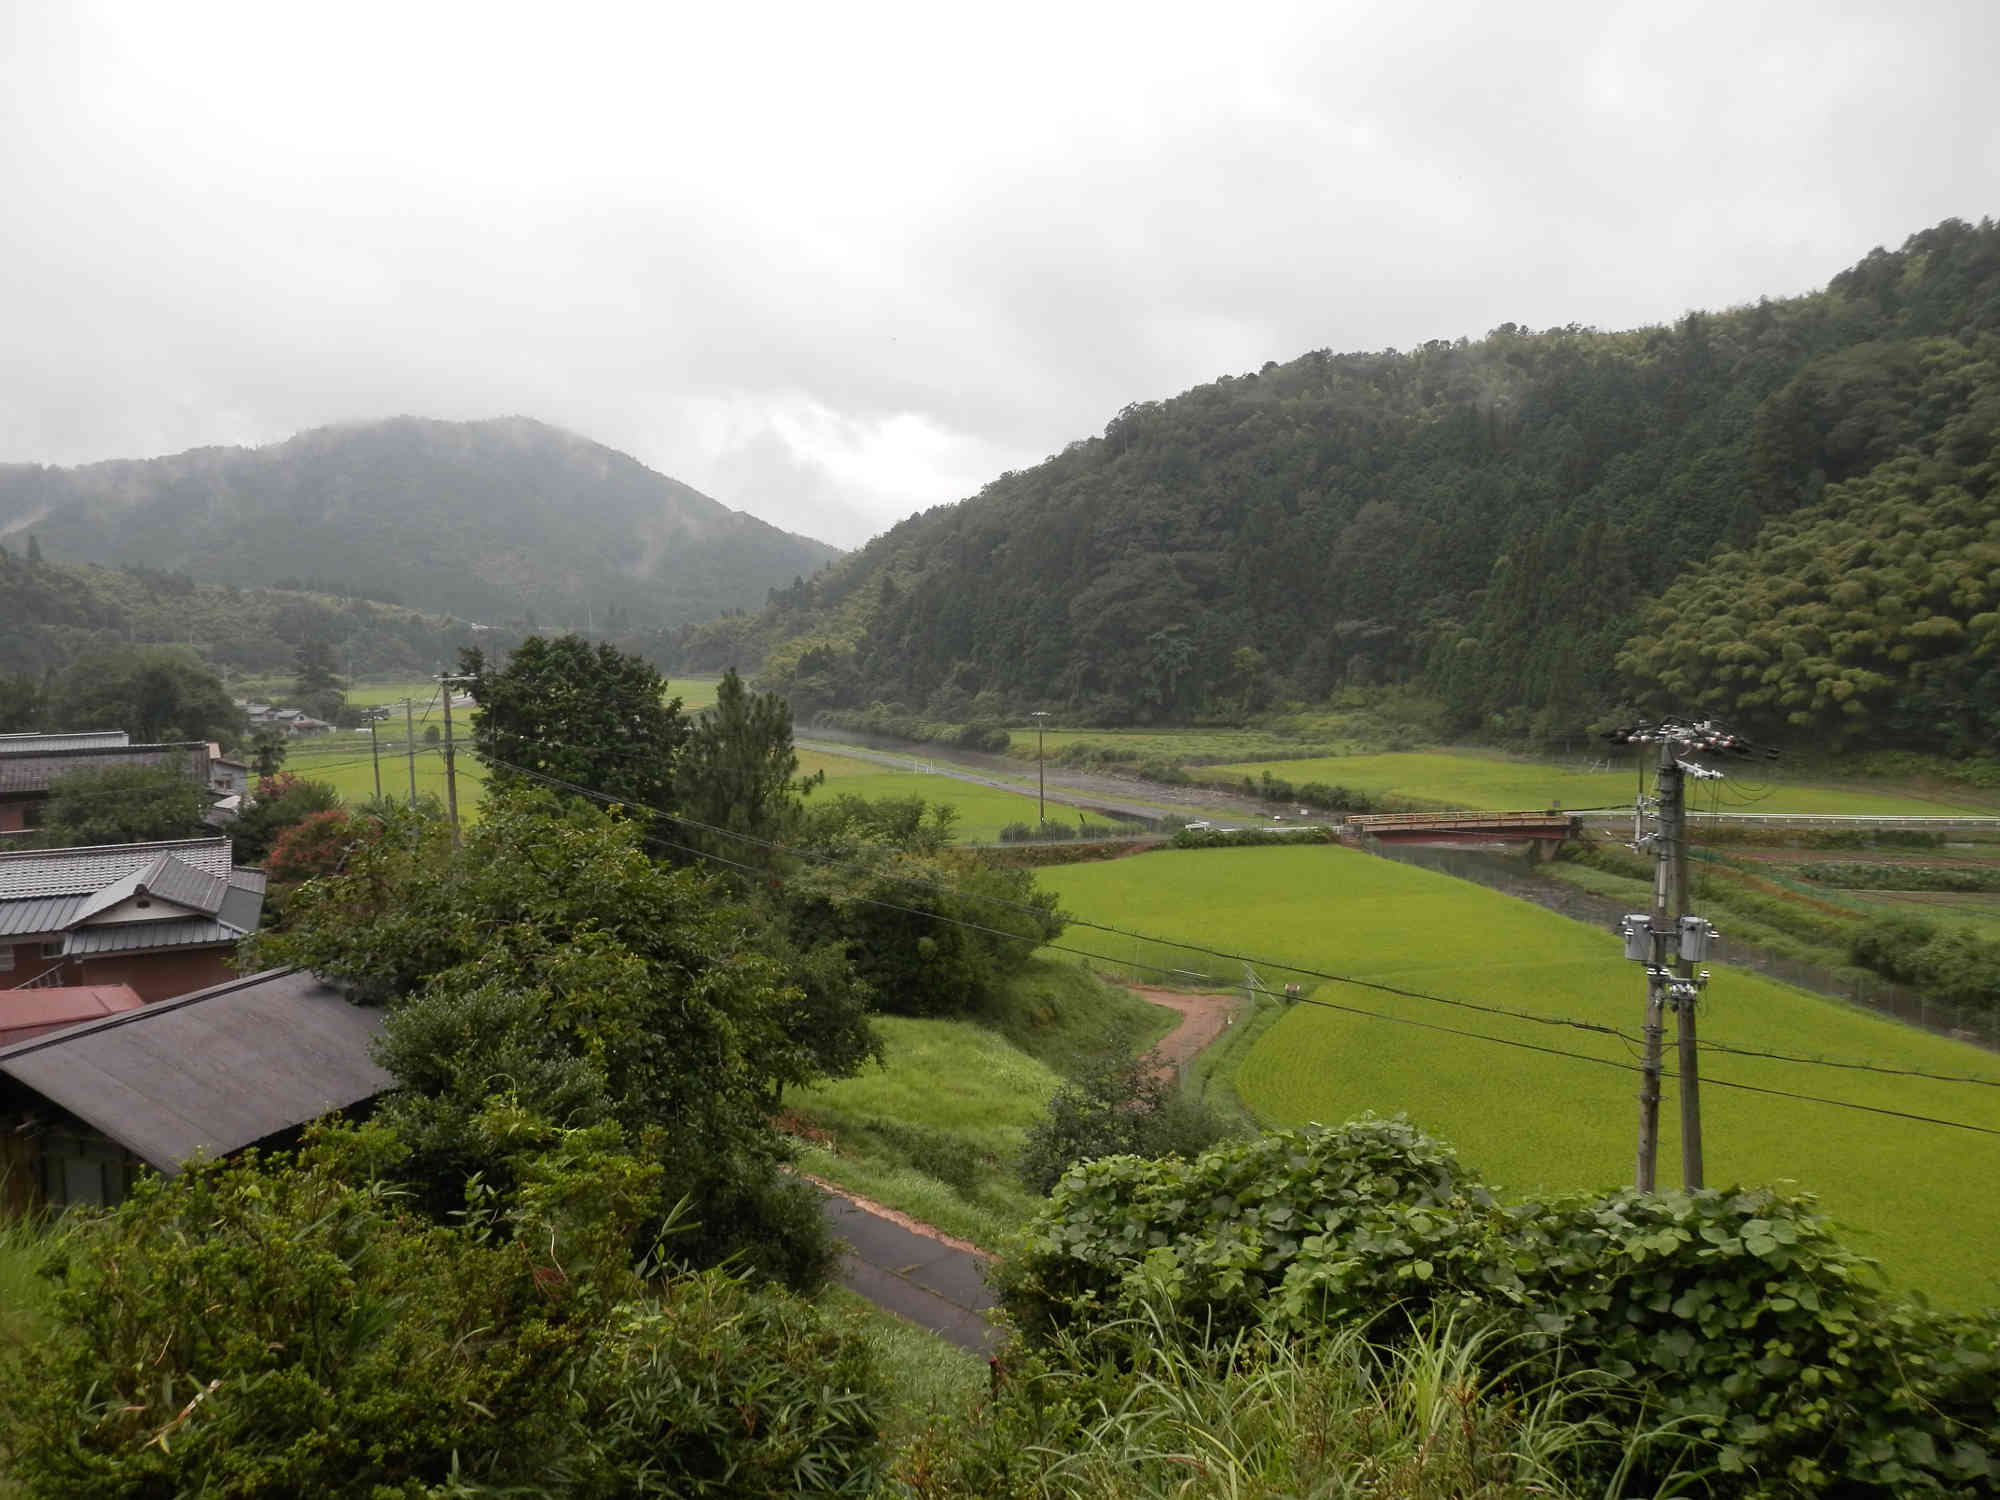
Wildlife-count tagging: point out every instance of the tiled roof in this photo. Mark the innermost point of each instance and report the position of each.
(28, 771)
(212, 1071)
(83, 871)
(12, 744)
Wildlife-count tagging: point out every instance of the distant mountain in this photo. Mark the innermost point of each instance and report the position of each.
(1786, 513)
(506, 521)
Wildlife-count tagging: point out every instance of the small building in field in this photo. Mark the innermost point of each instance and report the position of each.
(85, 1110)
(164, 918)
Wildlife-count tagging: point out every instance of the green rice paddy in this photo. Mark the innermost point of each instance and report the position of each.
(1444, 779)
(1535, 1122)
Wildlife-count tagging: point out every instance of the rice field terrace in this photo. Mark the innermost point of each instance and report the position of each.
(1535, 1122)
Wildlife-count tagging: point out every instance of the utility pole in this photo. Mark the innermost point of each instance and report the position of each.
(410, 745)
(446, 683)
(375, 750)
(1668, 939)
(1040, 716)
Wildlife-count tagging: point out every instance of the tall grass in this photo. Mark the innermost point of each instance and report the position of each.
(26, 1300)
(1428, 1420)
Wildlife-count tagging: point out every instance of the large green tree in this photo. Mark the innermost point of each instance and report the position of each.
(565, 711)
(123, 805)
(738, 773)
(316, 683)
(551, 952)
(153, 693)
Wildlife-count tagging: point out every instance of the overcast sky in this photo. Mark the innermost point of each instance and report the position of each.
(835, 263)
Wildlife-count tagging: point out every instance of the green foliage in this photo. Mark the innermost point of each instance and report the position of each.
(590, 716)
(1291, 1230)
(1733, 1319)
(879, 718)
(279, 803)
(1946, 963)
(155, 694)
(256, 1329)
(711, 1390)
(57, 615)
(317, 684)
(737, 773)
(1248, 838)
(931, 934)
(550, 952)
(1461, 515)
(1903, 877)
(1128, 1107)
(123, 805)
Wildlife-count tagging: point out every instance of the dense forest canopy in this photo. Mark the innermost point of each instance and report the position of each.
(53, 615)
(1495, 520)
(508, 521)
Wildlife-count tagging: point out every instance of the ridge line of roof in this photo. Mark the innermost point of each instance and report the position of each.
(155, 1007)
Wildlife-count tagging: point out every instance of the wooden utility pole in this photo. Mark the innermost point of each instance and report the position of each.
(1673, 828)
(410, 745)
(375, 752)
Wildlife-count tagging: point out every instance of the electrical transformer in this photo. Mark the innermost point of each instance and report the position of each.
(1696, 935)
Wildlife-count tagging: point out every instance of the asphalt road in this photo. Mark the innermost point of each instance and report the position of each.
(932, 1284)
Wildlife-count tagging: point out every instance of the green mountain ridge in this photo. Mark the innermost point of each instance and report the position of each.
(1495, 520)
(509, 520)
(53, 615)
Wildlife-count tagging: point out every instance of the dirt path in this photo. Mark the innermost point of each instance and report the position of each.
(1203, 1019)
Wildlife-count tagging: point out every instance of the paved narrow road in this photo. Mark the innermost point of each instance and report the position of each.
(937, 1283)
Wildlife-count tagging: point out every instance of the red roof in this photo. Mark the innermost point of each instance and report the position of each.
(30, 1013)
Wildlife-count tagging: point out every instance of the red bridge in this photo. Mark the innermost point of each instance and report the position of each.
(1548, 829)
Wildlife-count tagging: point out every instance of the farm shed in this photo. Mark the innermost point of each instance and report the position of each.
(246, 1063)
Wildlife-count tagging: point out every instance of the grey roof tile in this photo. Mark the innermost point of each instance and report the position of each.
(76, 872)
(31, 771)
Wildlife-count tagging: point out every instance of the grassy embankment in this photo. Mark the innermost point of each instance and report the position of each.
(1534, 1122)
(1488, 782)
(936, 1130)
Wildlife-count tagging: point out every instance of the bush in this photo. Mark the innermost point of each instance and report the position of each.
(1902, 877)
(1733, 1316)
(1247, 838)
(712, 1390)
(1121, 1108)
(252, 1328)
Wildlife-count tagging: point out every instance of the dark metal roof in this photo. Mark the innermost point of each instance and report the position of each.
(92, 739)
(147, 937)
(38, 915)
(24, 772)
(82, 871)
(213, 1071)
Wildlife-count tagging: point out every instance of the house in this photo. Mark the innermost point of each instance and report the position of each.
(83, 1111)
(162, 917)
(29, 772)
(30, 1013)
(227, 776)
(293, 721)
(90, 739)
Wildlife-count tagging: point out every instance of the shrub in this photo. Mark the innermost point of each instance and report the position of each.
(1733, 1317)
(1118, 1108)
(712, 1389)
(253, 1328)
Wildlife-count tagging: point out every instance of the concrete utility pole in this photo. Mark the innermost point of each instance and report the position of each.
(1040, 716)
(1669, 940)
(375, 751)
(410, 746)
(446, 683)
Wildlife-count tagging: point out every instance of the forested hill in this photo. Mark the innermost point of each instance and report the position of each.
(1490, 518)
(500, 521)
(52, 615)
